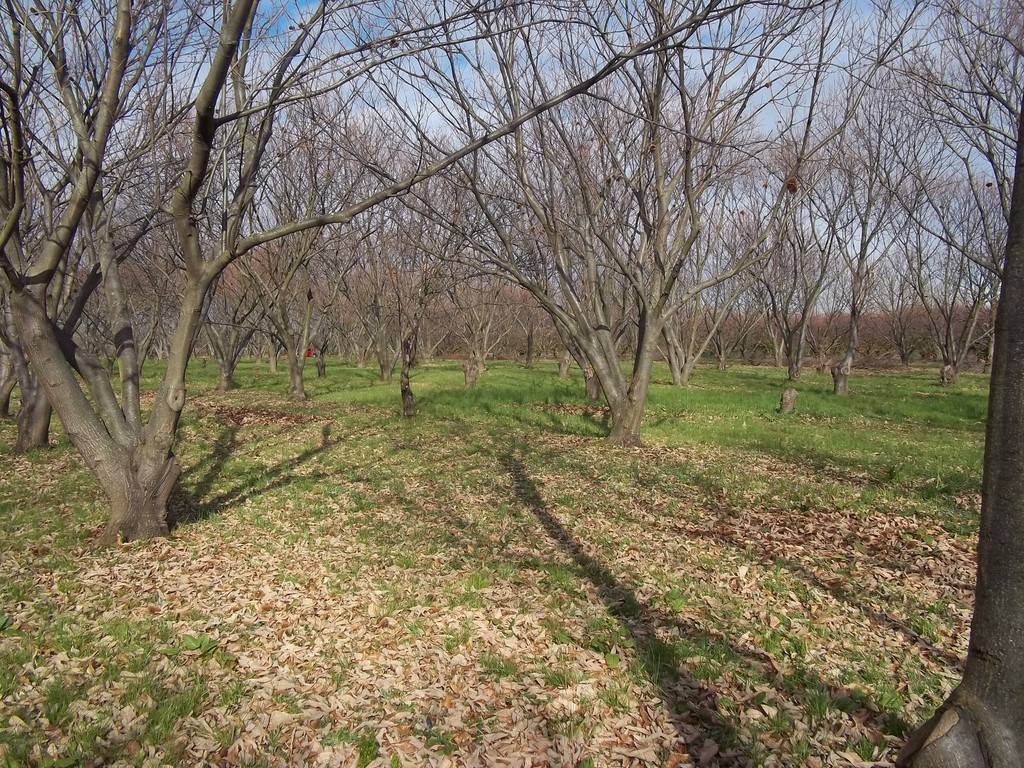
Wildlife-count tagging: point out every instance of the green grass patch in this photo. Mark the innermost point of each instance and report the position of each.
(757, 576)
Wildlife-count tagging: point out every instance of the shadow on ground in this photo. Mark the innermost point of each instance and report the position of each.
(191, 502)
(689, 704)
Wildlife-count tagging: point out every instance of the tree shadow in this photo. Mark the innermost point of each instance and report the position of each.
(213, 464)
(724, 533)
(185, 505)
(690, 705)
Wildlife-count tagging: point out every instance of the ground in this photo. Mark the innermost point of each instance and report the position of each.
(491, 584)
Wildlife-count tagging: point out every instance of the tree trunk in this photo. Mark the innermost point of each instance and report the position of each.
(408, 357)
(139, 490)
(778, 349)
(721, 353)
(272, 355)
(675, 357)
(687, 371)
(594, 392)
(530, 347)
(564, 364)
(841, 378)
(981, 725)
(33, 420)
(470, 371)
(321, 365)
(627, 416)
(627, 409)
(948, 375)
(227, 376)
(841, 370)
(385, 360)
(296, 385)
(796, 355)
(7, 384)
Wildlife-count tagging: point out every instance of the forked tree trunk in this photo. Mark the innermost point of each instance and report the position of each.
(681, 358)
(676, 359)
(627, 409)
(687, 372)
(139, 488)
(949, 374)
(321, 365)
(627, 416)
(981, 724)
(227, 376)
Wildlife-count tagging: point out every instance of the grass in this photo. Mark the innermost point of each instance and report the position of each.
(796, 586)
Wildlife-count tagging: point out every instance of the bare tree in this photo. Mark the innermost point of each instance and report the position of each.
(735, 324)
(899, 315)
(615, 204)
(699, 321)
(484, 317)
(801, 264)
(860, 204)
(232, 319)
(954, 292)
(263, 59)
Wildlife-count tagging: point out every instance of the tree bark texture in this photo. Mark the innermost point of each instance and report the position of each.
(139, 491)
(841, 379)
(296, 380)
(981, 725)
(841, 370)
(796, 362)
(226, 381)
(564, 364)
(627, 417)
(593, 385)
(408, 357)
(33, 420)
(7, 386)
(470, 371)
(8, 381)
(627, 404)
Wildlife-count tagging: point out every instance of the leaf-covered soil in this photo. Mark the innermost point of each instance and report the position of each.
(348, 589)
